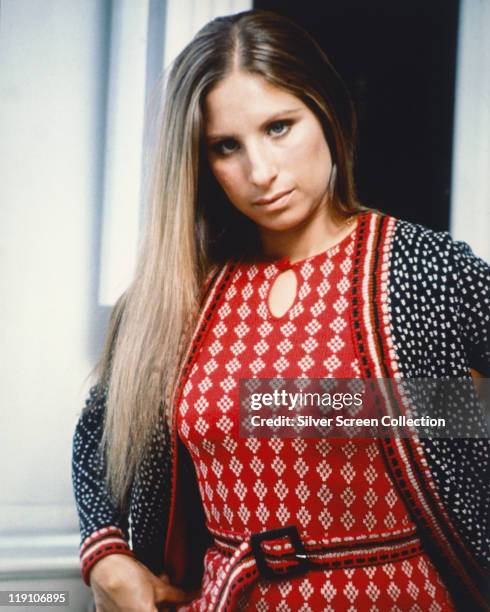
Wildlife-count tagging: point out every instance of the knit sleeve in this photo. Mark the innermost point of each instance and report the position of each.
(473, 286)
(103, 529)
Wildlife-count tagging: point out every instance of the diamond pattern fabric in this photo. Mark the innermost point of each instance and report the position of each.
(334, 490)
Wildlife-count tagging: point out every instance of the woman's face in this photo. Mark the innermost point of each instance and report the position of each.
(268, 152)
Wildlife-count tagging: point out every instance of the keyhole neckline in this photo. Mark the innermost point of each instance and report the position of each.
(293, 300)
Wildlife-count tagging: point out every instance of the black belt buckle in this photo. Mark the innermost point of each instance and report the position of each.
(265, 570)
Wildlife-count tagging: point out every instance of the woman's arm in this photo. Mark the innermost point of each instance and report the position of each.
(118, 580)
(103, 529)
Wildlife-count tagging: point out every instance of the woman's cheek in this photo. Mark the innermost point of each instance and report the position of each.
(229, 180)
(300, 154)
(314, 164)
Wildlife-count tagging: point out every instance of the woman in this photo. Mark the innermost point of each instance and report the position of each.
(260, 262)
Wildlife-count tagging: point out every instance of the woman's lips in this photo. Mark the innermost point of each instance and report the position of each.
(278, 202)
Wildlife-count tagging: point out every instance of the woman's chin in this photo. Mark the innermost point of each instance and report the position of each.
(280, 223)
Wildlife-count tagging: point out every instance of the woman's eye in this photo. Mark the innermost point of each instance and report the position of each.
(279, 128)
(225, 147)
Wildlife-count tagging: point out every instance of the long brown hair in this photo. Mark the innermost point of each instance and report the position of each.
(192, 227)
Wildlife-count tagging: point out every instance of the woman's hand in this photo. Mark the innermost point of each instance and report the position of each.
(122, 584)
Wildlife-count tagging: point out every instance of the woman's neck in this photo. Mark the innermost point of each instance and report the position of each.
(305, 240)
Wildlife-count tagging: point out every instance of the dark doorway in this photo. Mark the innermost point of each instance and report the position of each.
(398, 60)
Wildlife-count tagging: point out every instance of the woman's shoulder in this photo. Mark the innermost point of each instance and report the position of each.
(417, 244)
(418, 236)
(423, 261)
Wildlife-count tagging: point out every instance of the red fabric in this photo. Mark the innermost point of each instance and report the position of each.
(334, 491)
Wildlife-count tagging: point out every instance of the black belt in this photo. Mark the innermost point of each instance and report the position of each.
(281, 553)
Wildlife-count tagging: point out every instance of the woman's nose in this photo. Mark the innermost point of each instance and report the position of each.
(263, 166)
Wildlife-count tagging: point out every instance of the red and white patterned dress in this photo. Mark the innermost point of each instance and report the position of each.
(336, 491)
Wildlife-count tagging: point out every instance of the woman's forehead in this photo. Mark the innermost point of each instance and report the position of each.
(242, 98)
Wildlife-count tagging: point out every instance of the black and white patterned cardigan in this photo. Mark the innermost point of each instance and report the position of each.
(420, 309)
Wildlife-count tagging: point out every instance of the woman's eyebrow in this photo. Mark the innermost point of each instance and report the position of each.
(270, 119)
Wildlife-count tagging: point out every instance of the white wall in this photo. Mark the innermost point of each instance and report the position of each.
(52, 99)
(52, 113)
(470, 195)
